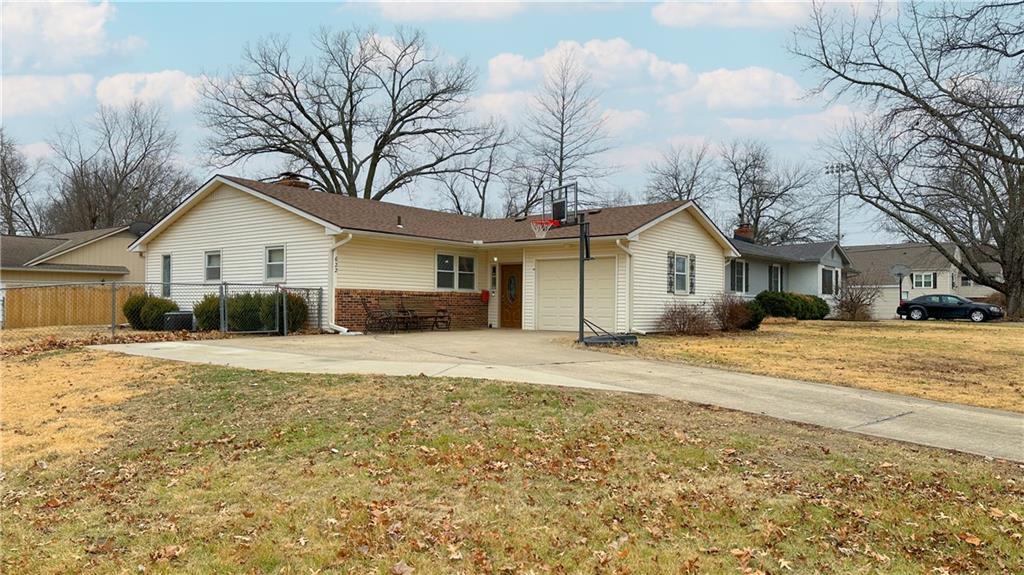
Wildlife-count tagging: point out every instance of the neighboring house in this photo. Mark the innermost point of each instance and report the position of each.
(808, 268)
(238, 230)
(930, 273)
(87, 256)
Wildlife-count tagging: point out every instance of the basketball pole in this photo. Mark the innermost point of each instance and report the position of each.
(583, 258)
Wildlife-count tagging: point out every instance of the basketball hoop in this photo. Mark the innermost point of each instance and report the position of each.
(541, 227)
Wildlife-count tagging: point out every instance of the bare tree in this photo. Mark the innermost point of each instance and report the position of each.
(854, 299)
(524, 182)
(777, 200)
(17, 189)
(943, 156)
(366, 116)
(565, 128)
(682, 173)
(120, 169)
(467, 189)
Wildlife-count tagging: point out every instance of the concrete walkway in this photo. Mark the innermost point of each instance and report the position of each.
(540, 358)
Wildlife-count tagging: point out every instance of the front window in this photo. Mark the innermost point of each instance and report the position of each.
(165, 276)
(274, 268)
(966, 281)
(682, 274)
(924, 281)
(774, 277)
(829, 281)
(456, 271)
(211, 270)
(738, 278)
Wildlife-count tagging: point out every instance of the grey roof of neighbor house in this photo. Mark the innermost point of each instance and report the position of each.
(794, 253)
(16, 252)
(383, 217)
(873, 262)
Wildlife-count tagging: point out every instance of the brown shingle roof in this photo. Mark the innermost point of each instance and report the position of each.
(16, 251)
(383, 217)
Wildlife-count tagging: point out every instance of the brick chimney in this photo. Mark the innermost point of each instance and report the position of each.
(291, 179)
(744, 232)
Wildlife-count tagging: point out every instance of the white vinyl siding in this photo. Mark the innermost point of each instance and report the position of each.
(684, 235)
(110, 251)
(386, 264)
(241, 226)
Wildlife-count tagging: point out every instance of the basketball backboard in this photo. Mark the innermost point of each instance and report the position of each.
(561, 204)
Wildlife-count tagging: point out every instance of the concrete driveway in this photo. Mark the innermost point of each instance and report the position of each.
(545, 358)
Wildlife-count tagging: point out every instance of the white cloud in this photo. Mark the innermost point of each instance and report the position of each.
(429, 10)
(172, 87)
(801, 127)
(36, 150)
(620, 122)
(743, 14)
(58, 34)
(746, 88)
(24, 95)
(613, 61)
(505, 105)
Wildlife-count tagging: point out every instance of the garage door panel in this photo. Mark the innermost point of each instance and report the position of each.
(558, 290)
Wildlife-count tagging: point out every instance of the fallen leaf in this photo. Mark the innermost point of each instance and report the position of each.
(401, 568)
(970, 539)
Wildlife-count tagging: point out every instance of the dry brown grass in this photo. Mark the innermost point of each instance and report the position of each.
(972, 364)
(235, 471)
(14, 338)
(55, 404)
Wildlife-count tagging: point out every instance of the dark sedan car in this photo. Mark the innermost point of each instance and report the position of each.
(945, 306)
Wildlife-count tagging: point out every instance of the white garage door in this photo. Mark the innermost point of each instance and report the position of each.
(558, 292)
(885, 306)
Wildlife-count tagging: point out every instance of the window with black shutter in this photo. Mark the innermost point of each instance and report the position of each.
(671, 272)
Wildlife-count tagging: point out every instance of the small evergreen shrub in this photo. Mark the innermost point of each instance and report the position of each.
(152, 314)
(245, 312)
(755, 315)
(786, 304)
(272, 312)
(132, 309)
(207, 313)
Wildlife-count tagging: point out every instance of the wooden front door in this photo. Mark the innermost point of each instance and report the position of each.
(511, 292)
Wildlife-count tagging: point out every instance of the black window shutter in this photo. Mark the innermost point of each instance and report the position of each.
(671, 272)
(746, 277)
(693, 274)
(935, 280)
(732, 276)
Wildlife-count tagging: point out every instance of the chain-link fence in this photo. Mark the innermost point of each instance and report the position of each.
(92, 310)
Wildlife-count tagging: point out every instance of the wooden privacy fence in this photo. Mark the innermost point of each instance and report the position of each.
(45, 306)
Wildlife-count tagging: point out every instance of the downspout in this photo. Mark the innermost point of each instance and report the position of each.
(331, 267)
(629, 286)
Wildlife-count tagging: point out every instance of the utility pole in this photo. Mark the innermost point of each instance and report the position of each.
(838, 170)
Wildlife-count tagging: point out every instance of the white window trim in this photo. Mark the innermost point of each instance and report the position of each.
(741, 288)
(455, 270)
(915, 275)
(834, 272)
(165, 286)
(206, 266)
(685, 288)
(777, 267)
(266, 264)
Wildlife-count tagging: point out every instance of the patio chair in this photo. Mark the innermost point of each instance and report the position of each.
(400, 318)
(377, 319)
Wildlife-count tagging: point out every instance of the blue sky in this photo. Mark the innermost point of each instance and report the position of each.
(676, 73)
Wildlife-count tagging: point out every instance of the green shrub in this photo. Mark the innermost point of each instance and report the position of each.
(786, 304)
(778, 304)
(245, 312)
(755, 315)
(207, 313)
(152, 314)
(132, 309)
(271, 310)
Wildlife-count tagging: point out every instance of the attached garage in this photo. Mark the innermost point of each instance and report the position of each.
(558, 293)
(886, 304)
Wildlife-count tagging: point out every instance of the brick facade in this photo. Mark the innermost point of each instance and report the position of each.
(466, 308)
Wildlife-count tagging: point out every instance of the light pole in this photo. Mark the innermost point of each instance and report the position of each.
(838, 170)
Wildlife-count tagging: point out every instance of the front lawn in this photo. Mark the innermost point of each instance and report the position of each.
(958, 362)
(115, 464)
